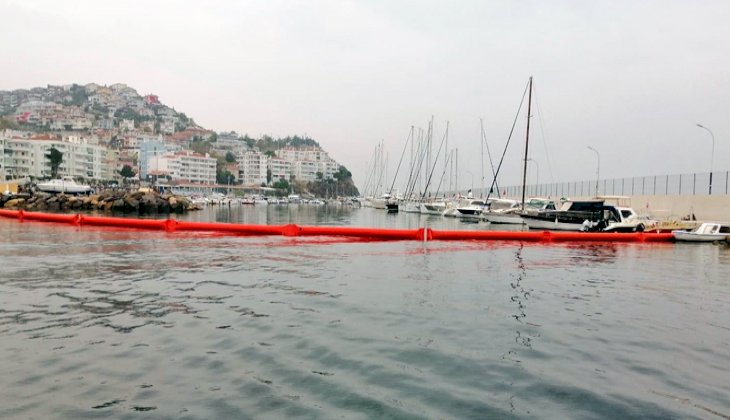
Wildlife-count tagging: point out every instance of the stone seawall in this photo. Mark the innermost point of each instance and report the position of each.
(121, 201)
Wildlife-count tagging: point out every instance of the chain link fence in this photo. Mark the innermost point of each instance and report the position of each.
(679, 184)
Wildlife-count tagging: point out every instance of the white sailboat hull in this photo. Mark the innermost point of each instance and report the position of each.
(503, 218)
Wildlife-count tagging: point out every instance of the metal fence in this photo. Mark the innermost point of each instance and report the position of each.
(681, 184)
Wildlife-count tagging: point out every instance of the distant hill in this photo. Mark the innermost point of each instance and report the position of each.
(57, 107)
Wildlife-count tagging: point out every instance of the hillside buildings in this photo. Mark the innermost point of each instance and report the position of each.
(26, 156)
(100, 129)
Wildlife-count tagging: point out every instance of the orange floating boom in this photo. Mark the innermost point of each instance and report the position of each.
(421, 234)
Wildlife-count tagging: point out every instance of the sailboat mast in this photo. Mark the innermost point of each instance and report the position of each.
(527, 143)
(481, 144)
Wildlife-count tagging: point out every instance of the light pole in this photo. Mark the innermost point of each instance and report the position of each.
(598, 168)
(712, 158)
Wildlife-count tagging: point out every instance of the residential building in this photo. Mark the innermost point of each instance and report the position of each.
(27, 156)
(229, 141)
(280, 169)
(252, 168)
(305, 170)
(127, 125)
(148, 150)
(293, 154)
(167, 126)
(188, 166)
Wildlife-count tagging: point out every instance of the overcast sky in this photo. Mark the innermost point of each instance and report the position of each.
(629, 78)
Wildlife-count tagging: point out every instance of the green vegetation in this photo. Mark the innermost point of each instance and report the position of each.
(230, 157)
(223, 176)
(282, 184)
(127, 172)
(269, 144)
(8, 123)
(341, 185)
(55, 157)
(78, 95)
(201, 147)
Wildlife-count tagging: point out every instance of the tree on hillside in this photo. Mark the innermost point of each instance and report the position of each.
(282, 184)
(127, 172)
(223, 176)
(55, 157)
(230, 157)
(342, 174)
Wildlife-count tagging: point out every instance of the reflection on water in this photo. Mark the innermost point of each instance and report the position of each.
(104, 322)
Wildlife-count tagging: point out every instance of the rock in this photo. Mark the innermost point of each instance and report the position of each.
(131, 203)
(14, 203)
(118, 205)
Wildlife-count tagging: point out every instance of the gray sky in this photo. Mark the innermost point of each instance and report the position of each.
(630, 78)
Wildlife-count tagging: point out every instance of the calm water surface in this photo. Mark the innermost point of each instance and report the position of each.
(100, 323)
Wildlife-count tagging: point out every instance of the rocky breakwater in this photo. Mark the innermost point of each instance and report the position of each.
(111, 201)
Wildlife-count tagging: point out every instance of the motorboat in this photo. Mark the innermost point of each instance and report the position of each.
(626, 220)
(473, 210)
(587, 215)
(706, 232)
(452, 206)
(63, 185)
(248, 200)
(573, 215)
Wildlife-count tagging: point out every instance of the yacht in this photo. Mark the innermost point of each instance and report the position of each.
(63, 185)
(573, 215)
(473, 210)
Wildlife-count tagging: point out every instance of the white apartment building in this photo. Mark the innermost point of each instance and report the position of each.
(189, 166)
(329, 168)
(293, 154)
(252, 168)
(226, 141)
(306, 162)
(280, 169)
(27, 156)
(305, 170)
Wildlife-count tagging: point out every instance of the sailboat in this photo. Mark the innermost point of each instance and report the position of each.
(509, 211)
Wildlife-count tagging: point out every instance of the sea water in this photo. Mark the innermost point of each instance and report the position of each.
(99, 322)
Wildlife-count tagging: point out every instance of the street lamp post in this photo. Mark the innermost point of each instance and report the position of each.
(712, 158)
(598, 167)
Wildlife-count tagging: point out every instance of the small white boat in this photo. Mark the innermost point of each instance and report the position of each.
(504, 211)
(435, 208)
(63, 185)
(706, 232)
(410, 207)
(473, 210)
